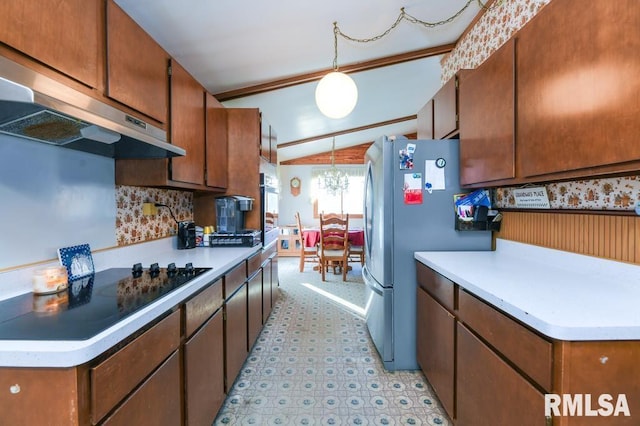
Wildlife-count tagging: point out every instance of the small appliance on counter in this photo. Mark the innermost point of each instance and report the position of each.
(231, 221)
(230, 213)
(186, 235)
(244, 238)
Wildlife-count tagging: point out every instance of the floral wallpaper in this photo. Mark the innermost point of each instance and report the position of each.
(494, 28)
(491, 31)
(621, 193)
(133, 227)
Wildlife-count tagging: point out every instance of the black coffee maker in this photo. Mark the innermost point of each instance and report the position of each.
(230, 213)
(186, 235)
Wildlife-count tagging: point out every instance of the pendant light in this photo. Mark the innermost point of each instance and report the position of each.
(336, 93)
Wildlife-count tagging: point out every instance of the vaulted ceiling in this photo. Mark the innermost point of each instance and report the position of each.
(270, 55)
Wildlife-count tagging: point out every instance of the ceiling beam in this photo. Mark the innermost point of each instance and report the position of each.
(347, 131)
(314, 76)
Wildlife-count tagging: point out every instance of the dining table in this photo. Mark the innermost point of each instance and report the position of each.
(312, 236)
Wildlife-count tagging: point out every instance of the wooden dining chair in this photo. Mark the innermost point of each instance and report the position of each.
(356, 254)
(307, 254)
(334, 244)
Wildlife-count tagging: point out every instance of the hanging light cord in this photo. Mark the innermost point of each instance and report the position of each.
(403, 16)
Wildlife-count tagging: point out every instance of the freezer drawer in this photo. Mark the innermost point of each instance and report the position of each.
(379, 316)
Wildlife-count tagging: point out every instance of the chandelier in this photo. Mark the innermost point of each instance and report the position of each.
(337, 94)
(333, 180)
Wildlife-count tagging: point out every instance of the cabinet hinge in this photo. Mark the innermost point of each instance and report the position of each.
(548, 421)
(457, 83)
(169, 70)
(224, 315)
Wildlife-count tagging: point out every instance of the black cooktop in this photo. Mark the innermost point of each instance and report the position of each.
(90, 304)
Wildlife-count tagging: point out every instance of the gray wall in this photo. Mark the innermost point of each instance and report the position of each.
(52, 197)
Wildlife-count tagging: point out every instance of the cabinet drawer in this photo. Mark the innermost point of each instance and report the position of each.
(234, 279)
(199, 308)
(156, 402)
(442, 289)
(119, 374)
(528, 351)
(266, 253)
(253, 264)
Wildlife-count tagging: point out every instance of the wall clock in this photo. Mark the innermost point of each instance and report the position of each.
(295, 186)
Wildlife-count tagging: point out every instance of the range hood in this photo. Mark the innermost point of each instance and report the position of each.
(36, 107)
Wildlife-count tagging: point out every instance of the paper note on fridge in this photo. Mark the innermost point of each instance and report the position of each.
(433, 176)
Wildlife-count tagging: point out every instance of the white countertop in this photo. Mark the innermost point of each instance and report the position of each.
(563, 295)
(21, 353)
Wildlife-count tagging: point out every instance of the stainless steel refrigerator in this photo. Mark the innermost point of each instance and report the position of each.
(408, 207)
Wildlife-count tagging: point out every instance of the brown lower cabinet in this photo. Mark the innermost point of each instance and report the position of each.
(488, 368)
(436, 347)
(490, 392)
(155, 402)
(254, 308)
(174, 371)
(235, 334)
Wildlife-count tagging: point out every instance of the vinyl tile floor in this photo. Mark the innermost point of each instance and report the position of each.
(314, 363)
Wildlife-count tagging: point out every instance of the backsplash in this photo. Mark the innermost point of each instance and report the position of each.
(491, 31)
(133, 227)
(620, 193)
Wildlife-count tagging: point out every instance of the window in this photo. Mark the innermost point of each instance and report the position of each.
(348, 201)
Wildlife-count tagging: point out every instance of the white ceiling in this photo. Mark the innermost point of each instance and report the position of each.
(235, 44)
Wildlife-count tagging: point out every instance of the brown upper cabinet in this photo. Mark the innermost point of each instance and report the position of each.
(187, 126)
(136, 66)
(564, 106)
(66, 36)
(487, 109)
(268, 142)
(445, 110)
(424, 121)
(438, 118)
(201, 131)
(217, 144)
(578, 91)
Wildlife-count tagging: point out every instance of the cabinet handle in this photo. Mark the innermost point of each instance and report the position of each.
(548, 421)
(14, 389)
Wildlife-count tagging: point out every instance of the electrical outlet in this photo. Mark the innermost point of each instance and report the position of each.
(149, 209)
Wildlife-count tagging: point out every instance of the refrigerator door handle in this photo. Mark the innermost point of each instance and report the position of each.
(370, 281)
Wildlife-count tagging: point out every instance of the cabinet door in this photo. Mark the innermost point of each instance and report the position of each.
(187, 126)
(267, 281)
(244, 159)
(265, 146)
(425, 121)
(273, 145)
(136, 66)
(578, 91)
(23, 390)
(489, 391)
(275, 282)
(66, 35)
(436, 329)
(155, 402)
(254, 314)
(217, 140)
(487, 119)
(445, 110)
(235, 335)
(204, 372)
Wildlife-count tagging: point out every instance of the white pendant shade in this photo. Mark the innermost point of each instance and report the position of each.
(336, 95)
